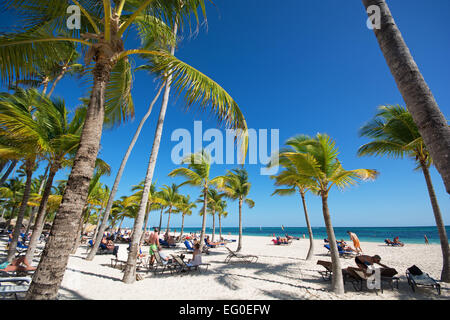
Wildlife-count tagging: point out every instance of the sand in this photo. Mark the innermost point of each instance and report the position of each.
(280, 273)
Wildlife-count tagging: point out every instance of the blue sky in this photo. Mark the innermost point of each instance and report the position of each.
(301, 67)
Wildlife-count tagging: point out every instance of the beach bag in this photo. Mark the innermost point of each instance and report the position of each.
(415, 271)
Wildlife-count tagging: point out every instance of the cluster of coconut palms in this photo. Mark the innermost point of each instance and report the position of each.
(40, 54)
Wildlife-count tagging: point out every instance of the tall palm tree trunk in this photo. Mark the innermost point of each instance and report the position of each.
(77, 240)
(168, 220)
(45, 83)
(239, 247)
(220, 227)
(337, 282)
(8, 222)
(147, 215)
(35, 209)
(308, 225)
(58, 78)
(445, 274)
(419, 100)
(8, 171)
(205, 203)
(160, 220)
(182, 225)
(49, 274)
(121, 221)
(213, 225)
(130, 270)
(40, 217)
(26, 195)
(115, 187)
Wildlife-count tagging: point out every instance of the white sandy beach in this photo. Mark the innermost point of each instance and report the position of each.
(280, 273)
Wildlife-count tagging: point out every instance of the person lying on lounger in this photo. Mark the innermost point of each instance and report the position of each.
(164, 256)
(213, 243)
(364, 261)
(19, 264)
(344, 246)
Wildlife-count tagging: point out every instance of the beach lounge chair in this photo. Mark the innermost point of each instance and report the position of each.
(165, 244)
(277, 241)
(358, 277)
(342, 253)
(162, 264)
(20, 285)
(183, 266)
(188, 246)
(393, 244)
(328, 272)
(209, 245)
(416, 278)
(248, 258)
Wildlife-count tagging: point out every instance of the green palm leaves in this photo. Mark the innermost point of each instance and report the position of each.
(198, 171)
(316, 159)
(394, 134)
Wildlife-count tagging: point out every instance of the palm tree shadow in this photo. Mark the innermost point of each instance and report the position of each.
(71, 295)
(94, 274)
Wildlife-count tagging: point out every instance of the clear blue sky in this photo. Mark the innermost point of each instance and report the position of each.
(300, 66)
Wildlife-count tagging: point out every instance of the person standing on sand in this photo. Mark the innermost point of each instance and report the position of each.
(154, 244)
(355, 240)
(426, 239)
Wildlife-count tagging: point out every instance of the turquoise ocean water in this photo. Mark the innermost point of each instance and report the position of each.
(372, 234)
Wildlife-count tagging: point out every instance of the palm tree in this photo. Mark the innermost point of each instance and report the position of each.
(185, 207)
(198, 174)
(221, 213)
(102, 30)
(171, 199)
(419, 100)
(394, 134)
(316, 158)
(291, 178)
(214, 198)
(237, 187)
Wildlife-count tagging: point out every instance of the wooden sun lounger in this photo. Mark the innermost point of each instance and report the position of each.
(328, 272)
(358, 277)
(244, 257)
(21, 285)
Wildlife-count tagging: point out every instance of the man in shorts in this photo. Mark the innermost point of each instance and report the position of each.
(355, 240)
(154, 244)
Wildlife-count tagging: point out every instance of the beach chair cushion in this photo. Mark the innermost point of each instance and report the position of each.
(424, 280)
(415, 271)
